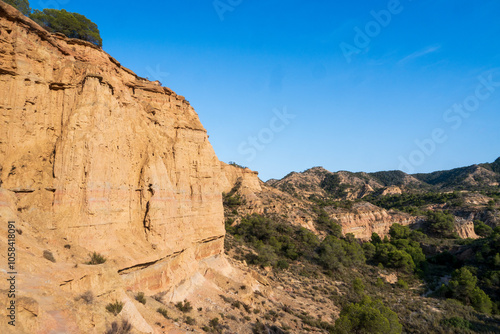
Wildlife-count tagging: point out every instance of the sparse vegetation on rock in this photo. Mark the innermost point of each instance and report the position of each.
(184, 306)
(140, 298)
(114, 308)
(96, 258)
(163, 312)
(119, 328)
(87, 297)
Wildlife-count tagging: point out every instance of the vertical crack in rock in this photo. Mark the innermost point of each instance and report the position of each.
(147, 220)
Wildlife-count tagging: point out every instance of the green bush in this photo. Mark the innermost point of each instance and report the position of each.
(96, 258)
(367, 317)
(358, 286)
(163, 312)
(335, 253)
(184, 306)
(282, 264)
(413, 203)
(115, 307)
(332, 184)
(442, 224)
(462, 286)
(369, 249)
(325, 223)
(456, 322)
(402, 284)
(232, 200)
(140, 298)
(482, 229)
(274, 240)
(398, 231)
(73, 25)
(22, 5)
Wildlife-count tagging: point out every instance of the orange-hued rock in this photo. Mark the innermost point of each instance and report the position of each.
(366, 218)
(465, 228)
(99, 155)
(246, 180)
(98, 159)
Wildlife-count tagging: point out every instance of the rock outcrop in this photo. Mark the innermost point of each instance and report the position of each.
(365, 218)
(95, 158)
(465, 228)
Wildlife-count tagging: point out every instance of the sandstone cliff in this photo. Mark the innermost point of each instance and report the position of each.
(95, 158)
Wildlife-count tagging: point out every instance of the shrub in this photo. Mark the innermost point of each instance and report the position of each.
(332, 184)
(367, 317)
(87, 297)
(402, 284)
(190, 321)
(115, 307)
(232, 200)
(140, 298)
(96, 258)
(326, 223)
(22, 5)
(184, 307)
(335, 252)
(456, 322)
(73, 25)
(214, 322)
(159, 297)
(282, 264)
(442, 224)
(163, 312)
(369, 249)
(463, 287)
(358, 286)
(49, 256)
(482, 229)
(398, 231)
(124, 328)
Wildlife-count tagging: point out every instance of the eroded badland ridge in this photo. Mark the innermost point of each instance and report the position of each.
(96, 160)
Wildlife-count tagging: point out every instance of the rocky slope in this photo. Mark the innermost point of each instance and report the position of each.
(345, 198)
(94, 158)
(293, 204)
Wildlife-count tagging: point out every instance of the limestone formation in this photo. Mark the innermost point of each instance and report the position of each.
(95, 158)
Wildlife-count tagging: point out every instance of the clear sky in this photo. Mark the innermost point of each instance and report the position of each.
(283, 86)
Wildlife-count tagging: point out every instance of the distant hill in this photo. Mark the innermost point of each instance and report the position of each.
(475, 177)
(348, 185)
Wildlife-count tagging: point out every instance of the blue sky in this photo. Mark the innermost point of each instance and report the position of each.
(283, 86)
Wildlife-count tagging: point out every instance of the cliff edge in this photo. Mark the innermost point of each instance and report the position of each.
(94, 158)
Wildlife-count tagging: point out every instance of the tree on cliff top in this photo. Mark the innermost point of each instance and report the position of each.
(22, 5)
(73, 25)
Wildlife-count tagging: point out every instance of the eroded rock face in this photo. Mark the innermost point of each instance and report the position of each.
(465, 228)
(103, 158)
(366, 218)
